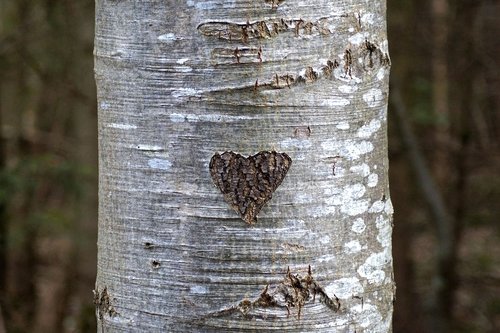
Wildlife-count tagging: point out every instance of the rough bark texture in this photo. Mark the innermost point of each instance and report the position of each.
(248, 183)
(178, 82)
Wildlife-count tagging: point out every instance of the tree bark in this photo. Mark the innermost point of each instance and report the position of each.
(180, 81)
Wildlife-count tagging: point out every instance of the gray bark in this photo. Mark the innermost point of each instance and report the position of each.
(179, 81)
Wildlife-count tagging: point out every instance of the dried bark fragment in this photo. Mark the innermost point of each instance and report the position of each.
(248, 183)
(102, 301)
(275, 3)
(310, 75)
(348, 62)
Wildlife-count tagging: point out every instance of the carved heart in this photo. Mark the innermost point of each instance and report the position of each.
(247, 183)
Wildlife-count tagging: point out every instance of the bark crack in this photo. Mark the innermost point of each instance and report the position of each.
(294, 292)
(102, 302)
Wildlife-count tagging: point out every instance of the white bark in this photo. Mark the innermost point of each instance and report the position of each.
(179, 81)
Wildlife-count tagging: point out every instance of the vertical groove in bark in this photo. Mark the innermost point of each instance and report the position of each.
(308, 80)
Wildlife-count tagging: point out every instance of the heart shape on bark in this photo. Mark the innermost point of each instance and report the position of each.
(247, 183)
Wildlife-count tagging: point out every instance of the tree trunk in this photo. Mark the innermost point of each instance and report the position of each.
(182, 82)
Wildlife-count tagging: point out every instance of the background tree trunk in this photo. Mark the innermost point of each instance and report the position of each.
(179, 81)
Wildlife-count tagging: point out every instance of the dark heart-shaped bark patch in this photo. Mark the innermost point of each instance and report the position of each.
(247, 183)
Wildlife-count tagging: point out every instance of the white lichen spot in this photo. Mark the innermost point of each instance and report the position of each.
(210, 5)
(183, 69)
(384, 46)
(347, 149)
(367, 130)
(325, 240)
(372, 180)
(159, 163)
(182, 61)
(323, 60)
(344, 288)
(289, 224)
(119, 52)
(373, 268)
(373, 97)
(218, 118)
(206, 5)
(330, 25)
(352, 247)
(389, 209)
(327, 191)
(326, 258)
(384, 231)
(295, 143)
(320, 211)
(380, 221)
(355, 191)
(150, 147)
(353, 150)
(335, 101)
(198, 290)
(185, 92)
(343, 125)
(367, 315)
(339, 171)
(301, 197)
(330, 146)
(334, 200)
(367, 18)
(358, 38)
(350, 204)
(377, 207)
(122, 126)
(381, 74)
(177, 118)
(355, 207)
(168, 38)
(362, 169)
(382, 113)
(347, 89)
(358, 226)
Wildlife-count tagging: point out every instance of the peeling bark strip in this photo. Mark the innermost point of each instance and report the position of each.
(295, 291)
(249, 182)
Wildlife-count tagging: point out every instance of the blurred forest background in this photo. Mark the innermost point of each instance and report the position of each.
(444, 136)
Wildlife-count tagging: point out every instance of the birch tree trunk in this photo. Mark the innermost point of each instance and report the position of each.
(181, 81)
